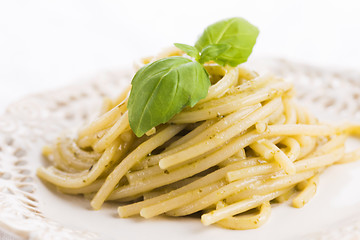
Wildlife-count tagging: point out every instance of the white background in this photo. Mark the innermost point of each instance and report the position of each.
(46, 44)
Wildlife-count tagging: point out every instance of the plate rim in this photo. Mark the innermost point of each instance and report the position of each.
(51, 228)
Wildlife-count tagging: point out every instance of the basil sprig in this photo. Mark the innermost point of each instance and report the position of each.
(189, 50)
(237, 33)
(163, 88)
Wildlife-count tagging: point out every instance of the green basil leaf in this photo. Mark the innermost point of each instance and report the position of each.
(189, 50)
(236, 32)
(212, 51)
(162, 89)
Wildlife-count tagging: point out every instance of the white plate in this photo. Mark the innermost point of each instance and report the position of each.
(34, 210)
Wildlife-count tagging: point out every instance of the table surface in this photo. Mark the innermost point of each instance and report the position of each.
(49, 44)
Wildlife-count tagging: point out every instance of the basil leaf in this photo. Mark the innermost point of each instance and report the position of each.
(189, 50)
(236, 32)
(163, 88)
(212, 51)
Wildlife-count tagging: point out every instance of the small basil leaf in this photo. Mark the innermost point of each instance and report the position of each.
(212, 51)
(236, 32)
(162, 89)
(189, 50)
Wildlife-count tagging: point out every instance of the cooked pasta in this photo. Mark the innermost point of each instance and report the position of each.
(245, 145)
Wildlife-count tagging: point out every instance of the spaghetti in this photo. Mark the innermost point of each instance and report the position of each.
(247, 144)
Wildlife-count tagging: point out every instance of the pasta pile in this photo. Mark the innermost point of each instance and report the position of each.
(247, 145)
